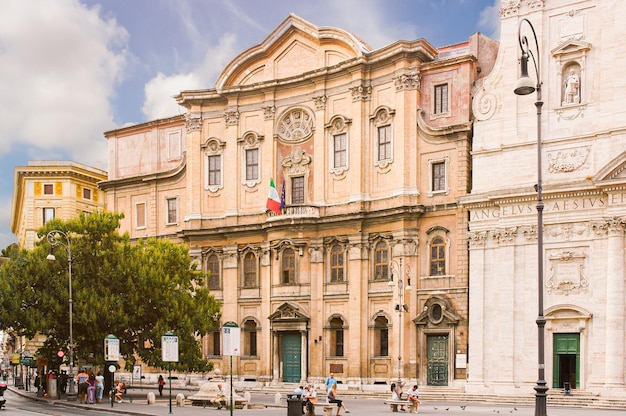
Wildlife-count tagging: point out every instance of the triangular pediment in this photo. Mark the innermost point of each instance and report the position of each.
(614, 171)
(295, 47)
(571, 47)
(288, 311)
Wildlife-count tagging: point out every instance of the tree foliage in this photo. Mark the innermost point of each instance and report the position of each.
(136, 291)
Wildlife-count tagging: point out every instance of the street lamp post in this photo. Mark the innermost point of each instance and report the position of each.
(525, 86)
(55, 238)
(397, 268)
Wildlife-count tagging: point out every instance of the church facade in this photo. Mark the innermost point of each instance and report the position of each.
(363, 269)
(583, 136)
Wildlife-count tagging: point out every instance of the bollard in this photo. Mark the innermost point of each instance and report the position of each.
(180, 400)
(277, 398)
(151, 398)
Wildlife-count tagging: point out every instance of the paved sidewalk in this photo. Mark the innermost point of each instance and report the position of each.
(357, 406)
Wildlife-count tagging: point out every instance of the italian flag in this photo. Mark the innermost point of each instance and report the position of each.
(273, 201)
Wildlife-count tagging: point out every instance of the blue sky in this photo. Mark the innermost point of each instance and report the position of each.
(72, 69)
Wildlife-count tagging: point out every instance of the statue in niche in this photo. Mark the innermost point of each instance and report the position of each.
(572, 88)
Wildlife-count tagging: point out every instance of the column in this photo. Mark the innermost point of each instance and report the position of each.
(614, 338)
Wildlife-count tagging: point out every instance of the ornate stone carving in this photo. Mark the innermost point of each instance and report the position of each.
(504, 235)
(295, 126)
(484, 104)
(566, 273)
(231, 117)
(477, 239)
(509, 8)
(361, 92)
(320, 102)
(567, 160)
(193, 123)
(269, 112)
(407, 81)
(297, 162)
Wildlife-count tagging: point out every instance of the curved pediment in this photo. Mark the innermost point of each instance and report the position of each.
(293, 48)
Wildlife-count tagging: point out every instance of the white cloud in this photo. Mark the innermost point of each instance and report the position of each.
(59, 64)
(490, 19)
(160, 89)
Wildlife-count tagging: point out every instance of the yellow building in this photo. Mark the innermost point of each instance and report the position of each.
(45, 190)
(363, 272)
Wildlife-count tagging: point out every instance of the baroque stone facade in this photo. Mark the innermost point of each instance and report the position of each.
(370, 150)
(584, 192)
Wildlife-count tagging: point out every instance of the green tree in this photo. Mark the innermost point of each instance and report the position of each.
(136, 291)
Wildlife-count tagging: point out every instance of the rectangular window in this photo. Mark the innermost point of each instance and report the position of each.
(48, 189)
(439, 176)
(252, 164)
(215, 170)
(289, 267)
(340, 150)
(214, 345)
(252, 351)
(249, 270)
(336, 264)
(48, 214)
(297, 190)
(339, 343)
(86, 193)
(384, 143)
(441, 99)
(140, 215)
(172, 210)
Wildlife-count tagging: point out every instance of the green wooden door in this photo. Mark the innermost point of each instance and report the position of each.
(292, 354)
(437, 360)
(566, 361)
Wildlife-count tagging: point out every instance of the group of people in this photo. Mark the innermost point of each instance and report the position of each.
(412, 396)
(309, 396)
(90, 387)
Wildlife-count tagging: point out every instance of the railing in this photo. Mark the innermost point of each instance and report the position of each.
(295, 211)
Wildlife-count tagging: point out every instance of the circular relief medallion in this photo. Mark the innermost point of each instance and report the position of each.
(296, 126)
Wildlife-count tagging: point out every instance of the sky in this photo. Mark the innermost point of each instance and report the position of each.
(71, 70)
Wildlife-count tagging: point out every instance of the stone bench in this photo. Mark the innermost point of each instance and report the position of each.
(393, 405)
(327, 407)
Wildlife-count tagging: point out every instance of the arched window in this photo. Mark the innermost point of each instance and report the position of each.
(250, 338)
(336, 264)
(381, 261)
(250, 270)
(213, 268)
(437, 257)
(381, 337)
(336, 337)
(289, 267)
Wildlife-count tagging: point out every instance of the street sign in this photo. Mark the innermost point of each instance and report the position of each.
(231, 339)
(169, 348)
(111, 348)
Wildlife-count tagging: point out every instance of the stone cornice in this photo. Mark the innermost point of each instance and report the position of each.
(142, 179)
